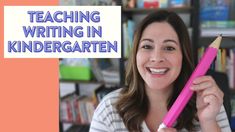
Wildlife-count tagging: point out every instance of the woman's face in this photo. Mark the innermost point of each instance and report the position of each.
(159, 56)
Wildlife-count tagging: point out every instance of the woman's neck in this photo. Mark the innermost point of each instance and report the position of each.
(158, 98)
(158, 106)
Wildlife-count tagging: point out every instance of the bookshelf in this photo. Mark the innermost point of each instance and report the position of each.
(191, 15)
(188, 11)
(77, 103)
(75, 85)
(79, 128)
(217, 17)
(78, 92)
(79, 81)
(148, 10)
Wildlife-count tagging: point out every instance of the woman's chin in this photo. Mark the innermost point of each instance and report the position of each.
(157, 87)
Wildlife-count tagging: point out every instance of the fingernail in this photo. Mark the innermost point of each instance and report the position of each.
(192, 88)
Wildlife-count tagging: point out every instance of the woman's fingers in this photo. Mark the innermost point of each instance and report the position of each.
(209, 97)
(202, 82)
(205, 86)
(202, 79)
(201, 86)
(213, 91)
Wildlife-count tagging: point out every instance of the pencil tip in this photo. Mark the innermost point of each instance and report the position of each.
(216, 42)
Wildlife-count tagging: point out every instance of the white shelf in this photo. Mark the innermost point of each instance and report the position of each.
(66, 88)
(212, 32)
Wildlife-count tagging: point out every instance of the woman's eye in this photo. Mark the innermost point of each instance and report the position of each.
(169, 48)
(146, 47)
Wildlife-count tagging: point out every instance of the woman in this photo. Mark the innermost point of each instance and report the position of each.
(158, 68)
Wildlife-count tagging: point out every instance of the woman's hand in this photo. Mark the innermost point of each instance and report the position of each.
(209, 98)
(168, 130)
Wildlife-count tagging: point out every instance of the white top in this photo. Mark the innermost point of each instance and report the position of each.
(106, 118)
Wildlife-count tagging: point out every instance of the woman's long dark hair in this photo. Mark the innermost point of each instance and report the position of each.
(133, 104)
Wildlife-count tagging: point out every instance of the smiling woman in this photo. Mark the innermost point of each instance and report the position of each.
(160, 64)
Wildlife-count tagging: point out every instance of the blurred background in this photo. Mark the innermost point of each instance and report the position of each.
(84, 82)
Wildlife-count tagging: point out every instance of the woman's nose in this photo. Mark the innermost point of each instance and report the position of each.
(157, 57)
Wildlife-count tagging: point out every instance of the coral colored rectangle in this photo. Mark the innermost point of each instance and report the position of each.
(29, 88)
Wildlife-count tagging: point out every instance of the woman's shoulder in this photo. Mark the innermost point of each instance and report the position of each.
(108, 102)
(106, 117)
(112, 95)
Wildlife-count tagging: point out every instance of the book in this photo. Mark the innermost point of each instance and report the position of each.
(214, 10)
(178, 3)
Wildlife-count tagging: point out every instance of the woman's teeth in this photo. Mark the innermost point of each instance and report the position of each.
(158, 71)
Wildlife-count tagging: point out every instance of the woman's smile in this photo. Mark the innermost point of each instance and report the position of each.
(157, 71)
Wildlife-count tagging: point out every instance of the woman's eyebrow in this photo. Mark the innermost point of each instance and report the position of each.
(170, 40)
(146, 39)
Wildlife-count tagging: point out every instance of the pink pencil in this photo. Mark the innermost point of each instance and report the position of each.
(186, 93)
